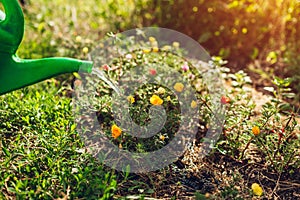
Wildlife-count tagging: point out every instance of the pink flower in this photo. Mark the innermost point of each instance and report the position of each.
(152, 72)
(105, 67)
(191, 76)
(185, 67)
(128, 56)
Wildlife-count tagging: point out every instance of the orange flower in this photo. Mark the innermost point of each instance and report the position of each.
(225, 100)
(178, 87)
(255, 130)
(115, 131)
(156, 100)
(162, 138)
(207, 195)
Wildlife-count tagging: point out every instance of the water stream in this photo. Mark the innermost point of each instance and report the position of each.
(106, 79)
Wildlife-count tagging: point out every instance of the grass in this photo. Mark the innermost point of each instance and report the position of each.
(43, 157)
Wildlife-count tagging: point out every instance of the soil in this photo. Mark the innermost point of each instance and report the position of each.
(215, 176)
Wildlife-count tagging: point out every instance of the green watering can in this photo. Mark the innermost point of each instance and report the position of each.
(16, 73)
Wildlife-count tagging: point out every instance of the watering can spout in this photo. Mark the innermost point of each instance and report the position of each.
(16, 73)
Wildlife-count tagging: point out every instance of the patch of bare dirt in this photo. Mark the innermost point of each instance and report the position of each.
(215, 176)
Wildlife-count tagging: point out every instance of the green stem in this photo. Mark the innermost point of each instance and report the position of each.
(265, 148)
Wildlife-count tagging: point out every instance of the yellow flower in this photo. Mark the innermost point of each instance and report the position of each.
(168, 98)
(179, 87)
(162, 138)
(155, 49)
(244, 30)
(257, 190)
(255, 130)
(85, 50)
(131, 99)
(115, 131)
(156, 100)
(152, 39)
(154, 45)
(166, 48)
(146, 50)
(161, 90)
(193, 104)
(234, 31)
(176, 44)
(78, 39)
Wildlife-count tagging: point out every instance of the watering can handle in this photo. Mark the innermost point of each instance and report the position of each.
(11, 26)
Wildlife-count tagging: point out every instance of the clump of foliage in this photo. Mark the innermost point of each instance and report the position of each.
(274, 132)
(144, 104)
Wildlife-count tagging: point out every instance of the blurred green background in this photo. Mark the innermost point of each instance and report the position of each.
(258, 36)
